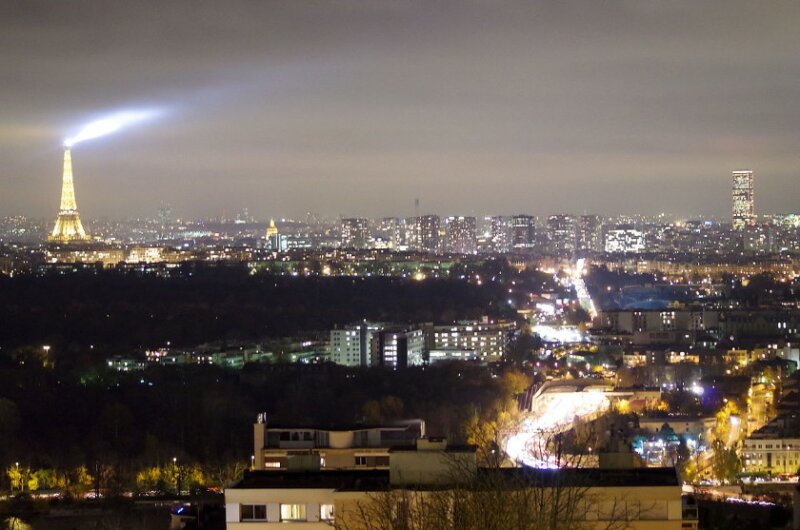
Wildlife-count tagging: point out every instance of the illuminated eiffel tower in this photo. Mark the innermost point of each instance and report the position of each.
(68, 228)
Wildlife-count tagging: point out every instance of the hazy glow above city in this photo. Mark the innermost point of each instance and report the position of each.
(359, 108)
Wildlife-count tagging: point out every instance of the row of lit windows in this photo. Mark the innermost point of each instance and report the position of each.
(752, 445)
(288, 512)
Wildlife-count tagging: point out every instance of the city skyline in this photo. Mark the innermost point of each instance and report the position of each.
(68, 229)
(471, 110)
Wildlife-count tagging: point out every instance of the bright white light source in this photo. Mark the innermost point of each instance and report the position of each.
(110, 124)
(551, 413)
(560, 334)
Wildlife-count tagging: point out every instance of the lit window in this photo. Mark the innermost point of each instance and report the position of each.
(326, 512)
(254, 512)
(293, 512)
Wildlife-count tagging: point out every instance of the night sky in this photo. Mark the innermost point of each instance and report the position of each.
(358, 107)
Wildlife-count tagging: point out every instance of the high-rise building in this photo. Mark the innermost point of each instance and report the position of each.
(625, 239)
(422, 233)
(562, 231)
(68, 228)
(355, 232)
(744, 213)
(164, 221)
(388, 233)
(429, 229)
(461, 235)
(500, 234)
(523, 232)
(590, 233)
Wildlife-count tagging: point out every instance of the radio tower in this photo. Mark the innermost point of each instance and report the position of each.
(68, 228)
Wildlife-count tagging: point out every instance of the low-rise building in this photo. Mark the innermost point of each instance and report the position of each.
(698, 427)
(398, 347)
(647, 499)
(774, 448)
(125, 364)
(487, 339)
(280, 447)
(351, 345)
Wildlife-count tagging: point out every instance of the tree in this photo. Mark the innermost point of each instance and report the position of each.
(725, 463)
(224, 474)
(689, 470)
(492, 499)
(521, 349)
(9, 425)
(515, 382)
(16, 477)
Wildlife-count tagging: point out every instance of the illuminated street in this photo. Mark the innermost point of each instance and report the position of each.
(552, 413)
(584, 298)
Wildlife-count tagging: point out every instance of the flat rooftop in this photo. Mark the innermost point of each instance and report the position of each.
(376, 480)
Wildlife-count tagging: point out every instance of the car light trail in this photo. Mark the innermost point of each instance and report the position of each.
(552, 413)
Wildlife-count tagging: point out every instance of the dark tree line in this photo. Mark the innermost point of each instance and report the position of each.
(119, 311)
(63, 409)
(204, 414)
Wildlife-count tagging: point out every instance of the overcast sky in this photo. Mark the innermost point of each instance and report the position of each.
(357, 107)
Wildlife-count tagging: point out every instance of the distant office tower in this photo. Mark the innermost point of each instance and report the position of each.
(355, 232)
(461, 233)
(590, 233)
(562, 231)
(68, 228)
(164, 221)
(523, 232)
(500, 234)
(744, 213)
(625, 239)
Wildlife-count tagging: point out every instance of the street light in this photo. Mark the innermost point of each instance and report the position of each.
(252, 461)
(178, 472)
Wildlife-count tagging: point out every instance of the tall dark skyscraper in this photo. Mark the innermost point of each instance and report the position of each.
(590, 236)
(523, 232)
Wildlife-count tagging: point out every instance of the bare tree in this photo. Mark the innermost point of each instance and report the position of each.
(494, 499)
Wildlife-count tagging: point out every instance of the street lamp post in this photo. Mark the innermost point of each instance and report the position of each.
(178, 474)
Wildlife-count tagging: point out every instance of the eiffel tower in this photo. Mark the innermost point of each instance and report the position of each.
(68, 228)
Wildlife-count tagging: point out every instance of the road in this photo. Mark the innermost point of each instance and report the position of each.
(584, 298)
(551, 413)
